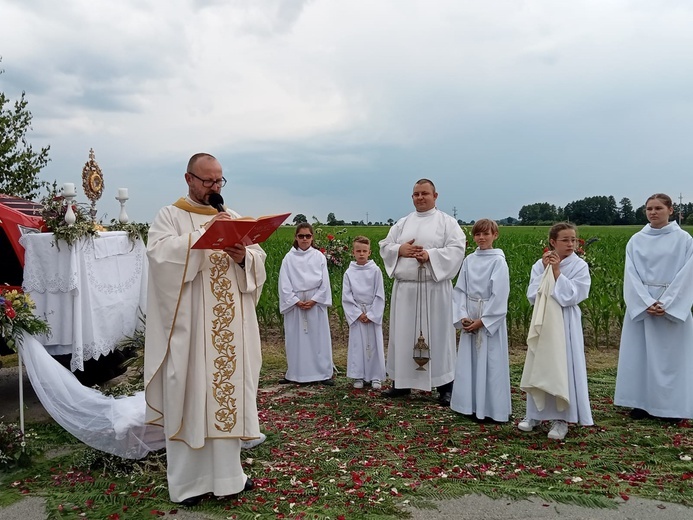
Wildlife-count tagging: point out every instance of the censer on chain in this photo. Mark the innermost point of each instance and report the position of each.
(422, 353)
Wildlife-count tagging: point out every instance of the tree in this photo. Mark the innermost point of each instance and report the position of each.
(19, 163)
(538, 213)
(640, 215)
(331, 219)
(390, 222)
(594, 211)
(626, 214)
(300, 218)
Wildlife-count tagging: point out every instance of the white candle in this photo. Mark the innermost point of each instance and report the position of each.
(122, 193)
(69, 189)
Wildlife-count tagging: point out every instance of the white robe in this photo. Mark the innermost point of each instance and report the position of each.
(303, 276)
(572, 287)
(202, 352)
(655, 363)
(363, 292)
(441, 236)
(482, 376)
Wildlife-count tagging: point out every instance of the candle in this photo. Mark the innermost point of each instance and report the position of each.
(122, 193)
(69, 189)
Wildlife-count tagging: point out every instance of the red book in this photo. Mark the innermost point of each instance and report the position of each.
(244, 230)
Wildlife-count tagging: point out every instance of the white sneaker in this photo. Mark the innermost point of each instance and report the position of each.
(558, 430)
(249, 445)
(376, 385)
(358, 383)
(527, 425)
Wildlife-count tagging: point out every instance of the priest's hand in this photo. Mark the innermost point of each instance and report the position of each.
(236, 252)
(218, 216)
(363, 318)
(409, 250)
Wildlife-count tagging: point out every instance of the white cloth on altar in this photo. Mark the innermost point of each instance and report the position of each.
(92, 293)
(572, 287)
(482, 374)
(303, 276)
(363, 292)
(655, 363)
(546, 364)
(113, 425)
(443, 239)
(202, 350)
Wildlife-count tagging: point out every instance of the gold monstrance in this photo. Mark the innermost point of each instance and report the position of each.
(92, 182)
(422, 353)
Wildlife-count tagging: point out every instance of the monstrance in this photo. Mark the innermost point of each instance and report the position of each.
(92, 182)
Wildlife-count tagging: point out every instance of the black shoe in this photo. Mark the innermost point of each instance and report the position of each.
(638, 414)
(191, 501)
(327, 382)
(249, 484)
(444, 399)
(396, 392)
(285, 381)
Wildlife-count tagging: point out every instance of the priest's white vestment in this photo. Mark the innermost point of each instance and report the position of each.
(202, 352)
(303, 276)
(363, 292)
(572, 287)
(655, 362)
(444, 241)
(482, 376)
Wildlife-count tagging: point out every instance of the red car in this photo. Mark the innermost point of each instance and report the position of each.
(17, 217)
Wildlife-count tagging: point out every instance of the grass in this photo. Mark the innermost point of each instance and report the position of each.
(337, 452)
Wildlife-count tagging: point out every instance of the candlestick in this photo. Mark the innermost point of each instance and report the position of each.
(69, 189)
(122, 198)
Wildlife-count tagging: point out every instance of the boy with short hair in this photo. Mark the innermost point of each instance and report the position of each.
(363, 300)
(480, 304)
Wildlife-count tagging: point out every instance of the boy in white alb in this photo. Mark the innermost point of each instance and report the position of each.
(479, 307)
(363, 300)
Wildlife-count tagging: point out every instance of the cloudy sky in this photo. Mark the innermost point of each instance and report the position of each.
(317, 106)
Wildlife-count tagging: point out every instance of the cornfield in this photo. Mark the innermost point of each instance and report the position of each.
(603, 311)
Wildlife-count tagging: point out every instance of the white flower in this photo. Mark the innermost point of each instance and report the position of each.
(576, 479)
(685, 458)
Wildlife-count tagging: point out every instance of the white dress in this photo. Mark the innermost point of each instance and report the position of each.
(655, 363)
(363, 292)
(572, 287)
(482, 377)
(303, 276)
(202, 353)
(441, 236)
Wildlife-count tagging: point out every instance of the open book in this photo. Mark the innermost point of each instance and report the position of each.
(244, 230)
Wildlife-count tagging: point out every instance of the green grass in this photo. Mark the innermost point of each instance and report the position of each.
(337, 451)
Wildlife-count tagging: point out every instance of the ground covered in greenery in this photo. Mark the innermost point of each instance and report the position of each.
(337, 452)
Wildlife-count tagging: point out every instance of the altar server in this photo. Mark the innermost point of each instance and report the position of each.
(363, 301)
(655, 362)
(560, 280)
(421, 301)
(479, 307)
(304, 296)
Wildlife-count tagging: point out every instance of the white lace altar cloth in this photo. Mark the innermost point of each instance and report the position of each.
(110, 424)
(89, 292)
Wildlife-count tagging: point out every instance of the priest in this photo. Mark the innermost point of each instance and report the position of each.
(423, 252)
(202, 351)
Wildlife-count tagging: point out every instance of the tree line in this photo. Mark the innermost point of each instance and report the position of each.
(594, 211)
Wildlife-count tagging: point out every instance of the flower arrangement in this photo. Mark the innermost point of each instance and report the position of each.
(335, 246)
(14, 450)
(17, 316)
(54, 209)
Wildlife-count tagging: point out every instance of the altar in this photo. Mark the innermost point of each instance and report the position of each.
(92, 293)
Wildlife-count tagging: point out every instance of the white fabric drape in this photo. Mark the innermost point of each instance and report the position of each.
(113, 425)
(546, 365)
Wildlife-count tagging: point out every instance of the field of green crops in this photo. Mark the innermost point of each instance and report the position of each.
(602, 312)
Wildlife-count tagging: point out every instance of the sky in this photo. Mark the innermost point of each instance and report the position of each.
(319, 106)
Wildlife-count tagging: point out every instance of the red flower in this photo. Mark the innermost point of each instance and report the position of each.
(10, 313)
(546, 250)
(330, 237)
(323, 250)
